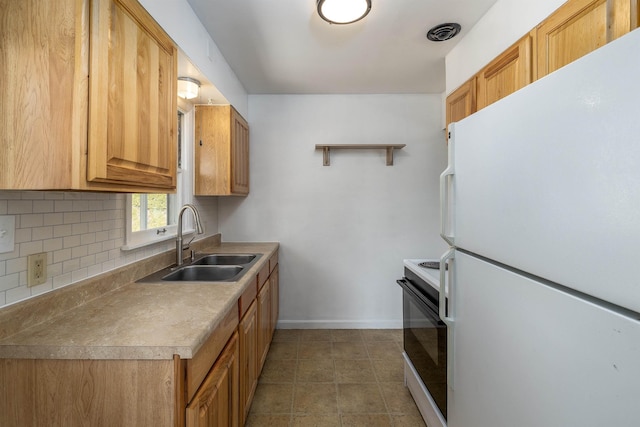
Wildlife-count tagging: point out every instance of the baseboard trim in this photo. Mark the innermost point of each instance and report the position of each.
(339, 324)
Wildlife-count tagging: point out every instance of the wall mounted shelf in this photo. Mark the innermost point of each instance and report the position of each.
(326, 149)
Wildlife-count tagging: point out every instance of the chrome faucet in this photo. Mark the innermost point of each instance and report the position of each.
(199, 229)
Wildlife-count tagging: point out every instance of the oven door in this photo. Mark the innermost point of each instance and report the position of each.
(425, 342)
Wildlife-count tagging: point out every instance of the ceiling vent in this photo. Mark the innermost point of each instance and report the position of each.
(443, 32)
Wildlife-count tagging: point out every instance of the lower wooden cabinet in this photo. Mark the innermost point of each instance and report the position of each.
(274, 280)
(264, 323)
(248, 340)
(216, 402)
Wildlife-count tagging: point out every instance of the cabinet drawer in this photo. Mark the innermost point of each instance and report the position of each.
(247, 297)
(263, 275)
(273, 261)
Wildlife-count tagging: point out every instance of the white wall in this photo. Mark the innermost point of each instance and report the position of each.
(505, 23)
(344, 229)
(183, 26)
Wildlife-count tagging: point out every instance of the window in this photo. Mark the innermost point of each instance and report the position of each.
(151, 218)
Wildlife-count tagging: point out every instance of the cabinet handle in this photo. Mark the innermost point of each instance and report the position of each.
(200, 143)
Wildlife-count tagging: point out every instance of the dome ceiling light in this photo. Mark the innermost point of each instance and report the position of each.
(188, 87)
(343, 11)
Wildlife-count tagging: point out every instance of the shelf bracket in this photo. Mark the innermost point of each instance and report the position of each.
(326, 150)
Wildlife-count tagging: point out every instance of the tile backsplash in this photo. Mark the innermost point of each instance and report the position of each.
(82, 234)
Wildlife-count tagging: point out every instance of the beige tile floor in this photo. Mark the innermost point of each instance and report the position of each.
(334, 378)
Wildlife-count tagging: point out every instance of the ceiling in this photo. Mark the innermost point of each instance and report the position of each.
(284, 47)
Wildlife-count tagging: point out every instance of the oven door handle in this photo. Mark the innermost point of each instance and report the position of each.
(446, 287)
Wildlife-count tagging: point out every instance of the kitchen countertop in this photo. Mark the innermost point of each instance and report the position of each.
(139, 320)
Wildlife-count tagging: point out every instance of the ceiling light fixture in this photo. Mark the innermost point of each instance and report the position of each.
(188, 87)
(343, 11)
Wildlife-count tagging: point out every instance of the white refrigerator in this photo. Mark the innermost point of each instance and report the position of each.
(541, 206)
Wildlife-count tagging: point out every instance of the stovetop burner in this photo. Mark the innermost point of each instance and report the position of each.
(431, 264)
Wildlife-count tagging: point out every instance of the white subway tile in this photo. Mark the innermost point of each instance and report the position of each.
(95, 205)
(79, 274)
(41, 289)
(54, 195)
(32, 195)
(87, 238)
(63, 206)
(88, 260)
(62, 280)
(29, 248)
(3, 299)
(78, 251)
(71, 265)
(20, 207)
(72, 196)
(101, 236)
(87, 216)
(94, 248)
(80, 205)
(53, 219)
(43, 206)
(95, 226)
(3, 209)
(15, 253)
(31, 220)
(9, 281)
(10, 195)
(16, 265)
(71, 217)
(42, 233)
(17, 294)
(79, 228)
(54, 270)
(62, 255)
(94, 270)
(62, 230)
(108, 265)
(3, 268)
(70, 241)
(108, 245)
(50, 245)
(102, 257)
(23, 235)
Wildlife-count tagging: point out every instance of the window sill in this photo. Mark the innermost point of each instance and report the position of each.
(141, 244)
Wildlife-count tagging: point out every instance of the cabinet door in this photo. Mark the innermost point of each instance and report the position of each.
(239, 154)
(510, 71)
(248, 339)
(461, 102)
(43, 92)
(132, 98)
(216, 402)
(275, 303)
(579, 27)
(264, 323)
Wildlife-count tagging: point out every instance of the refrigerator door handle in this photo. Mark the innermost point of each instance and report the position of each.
(445, 217)
(446, 287)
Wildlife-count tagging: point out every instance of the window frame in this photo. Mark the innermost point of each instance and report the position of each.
(183, 194)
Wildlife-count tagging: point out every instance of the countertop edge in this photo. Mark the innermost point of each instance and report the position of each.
(11, 346)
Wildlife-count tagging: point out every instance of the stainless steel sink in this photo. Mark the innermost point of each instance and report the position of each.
(208, 273)
(225, 259)
(207, 268)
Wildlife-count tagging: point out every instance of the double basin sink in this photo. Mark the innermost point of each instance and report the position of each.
(207, 268)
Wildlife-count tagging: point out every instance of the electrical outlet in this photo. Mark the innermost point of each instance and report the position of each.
(36, 269)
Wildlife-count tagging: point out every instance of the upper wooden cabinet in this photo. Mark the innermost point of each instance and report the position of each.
(462, 102)
(88, 97)
(579, 27)
(222, 151)
(510, 71)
